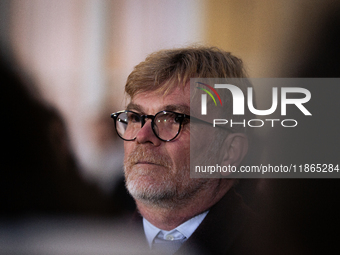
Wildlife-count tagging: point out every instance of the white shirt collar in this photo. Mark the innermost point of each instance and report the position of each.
(186, 228)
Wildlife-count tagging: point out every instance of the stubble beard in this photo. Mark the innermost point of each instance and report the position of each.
(169, 187)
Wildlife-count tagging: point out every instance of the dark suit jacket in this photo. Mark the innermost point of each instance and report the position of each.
(225, 230)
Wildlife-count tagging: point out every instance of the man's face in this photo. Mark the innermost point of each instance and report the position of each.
(157, 172)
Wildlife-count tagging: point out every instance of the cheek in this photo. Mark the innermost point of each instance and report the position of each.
(127, 147)
(201, 138)
(180, 154)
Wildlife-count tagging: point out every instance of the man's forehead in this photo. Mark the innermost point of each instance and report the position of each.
(181, 108)
(178, 100)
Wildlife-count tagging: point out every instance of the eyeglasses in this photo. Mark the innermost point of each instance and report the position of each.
(166, 125)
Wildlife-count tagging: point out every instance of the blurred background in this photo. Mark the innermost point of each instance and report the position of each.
(79, 53)
(70, 60)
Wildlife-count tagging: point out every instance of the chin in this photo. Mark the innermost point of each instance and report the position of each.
(151, 192)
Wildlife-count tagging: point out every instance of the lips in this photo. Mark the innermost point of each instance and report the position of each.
(143, 162)
(146, 162)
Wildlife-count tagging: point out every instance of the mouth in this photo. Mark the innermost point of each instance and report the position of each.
(148, 163)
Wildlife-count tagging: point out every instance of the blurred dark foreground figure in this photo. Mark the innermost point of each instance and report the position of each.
(39, 174)
(304, 212)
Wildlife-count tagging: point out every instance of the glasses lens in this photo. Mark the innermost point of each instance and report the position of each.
(166, 125)
(128, 124)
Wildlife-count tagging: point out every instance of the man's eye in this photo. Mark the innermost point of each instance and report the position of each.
(177, 119)
(133, 118)
(169, 119)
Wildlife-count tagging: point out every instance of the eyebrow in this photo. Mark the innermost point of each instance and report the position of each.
(136, 107)
(178, 108)
(181, 108)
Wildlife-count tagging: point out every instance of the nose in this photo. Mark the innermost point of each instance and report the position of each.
(146, 134)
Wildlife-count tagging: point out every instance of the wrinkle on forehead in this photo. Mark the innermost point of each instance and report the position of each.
(180, 108)
(178, 101)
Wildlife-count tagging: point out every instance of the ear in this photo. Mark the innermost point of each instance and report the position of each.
(235, 149)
